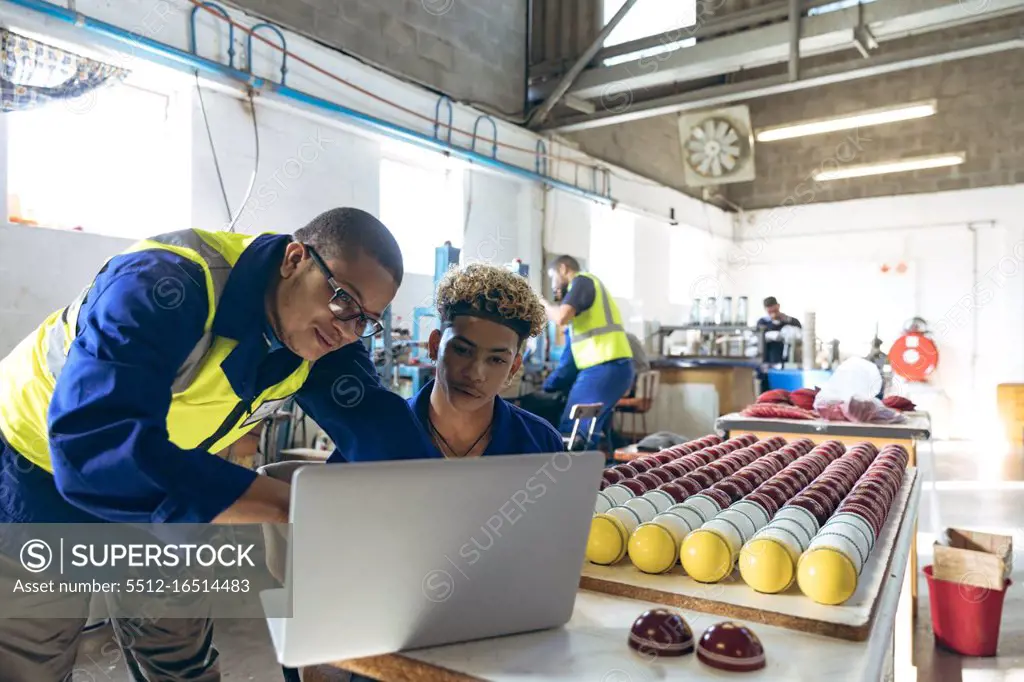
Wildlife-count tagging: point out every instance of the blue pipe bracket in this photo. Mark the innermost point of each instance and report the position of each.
(144, 47)
(494, 127)
(231, 29)
(284, 48)
(541, 158)
(445, 99)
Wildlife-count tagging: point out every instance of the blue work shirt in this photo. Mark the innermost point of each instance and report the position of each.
(514, 431)
(109, 444)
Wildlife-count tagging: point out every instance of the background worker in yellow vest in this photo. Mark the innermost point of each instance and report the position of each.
(598, 361)
(110, 410)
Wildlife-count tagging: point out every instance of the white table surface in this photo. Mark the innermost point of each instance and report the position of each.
(592, 646)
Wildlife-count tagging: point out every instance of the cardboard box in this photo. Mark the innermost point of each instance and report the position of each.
(1010, 401)
(974, 558)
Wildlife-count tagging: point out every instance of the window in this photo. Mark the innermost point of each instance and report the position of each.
(421, 202)
(692, 266)
(648, 18)
(613, 249)
(115, 162)
(836, 6)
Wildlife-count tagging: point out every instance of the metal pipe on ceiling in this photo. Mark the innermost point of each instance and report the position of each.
(142, 46)
(794, 40)
(963, 48)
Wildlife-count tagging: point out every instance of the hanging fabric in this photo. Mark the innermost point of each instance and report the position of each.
(34, 73)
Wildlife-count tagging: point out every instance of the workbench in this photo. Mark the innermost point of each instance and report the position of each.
(916, 428)
(593, 646)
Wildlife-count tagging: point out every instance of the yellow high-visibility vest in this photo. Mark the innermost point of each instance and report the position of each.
(597, 333)
(205, 411)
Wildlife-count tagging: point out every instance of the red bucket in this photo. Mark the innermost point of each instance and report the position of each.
(965, 618)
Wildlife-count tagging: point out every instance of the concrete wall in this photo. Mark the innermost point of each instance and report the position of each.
(473, 51)
(980, 101)
(979, 105)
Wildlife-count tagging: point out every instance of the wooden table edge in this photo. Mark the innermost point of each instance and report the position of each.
(391, 668)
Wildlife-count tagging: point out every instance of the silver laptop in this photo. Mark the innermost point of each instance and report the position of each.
(392, 556)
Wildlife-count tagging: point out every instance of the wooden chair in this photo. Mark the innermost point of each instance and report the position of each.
(640, 404)
(578, 413)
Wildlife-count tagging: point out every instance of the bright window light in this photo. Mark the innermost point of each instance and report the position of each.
(836, 6)
(898, 166)
(872, 117)
(422, 205)
(115, 162)
(648, 18)
(613, 249)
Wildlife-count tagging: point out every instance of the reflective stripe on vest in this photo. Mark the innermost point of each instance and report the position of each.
(59, 336)
(205, 411)
(597, 333)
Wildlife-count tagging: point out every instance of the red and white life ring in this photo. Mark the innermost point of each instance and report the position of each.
(914, 356)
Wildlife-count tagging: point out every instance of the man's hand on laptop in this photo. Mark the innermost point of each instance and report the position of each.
(266, 501)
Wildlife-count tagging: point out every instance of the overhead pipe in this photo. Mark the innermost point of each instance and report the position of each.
(192, 63)
(794, 40)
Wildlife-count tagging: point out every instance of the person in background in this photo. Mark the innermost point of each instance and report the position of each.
(116, 408)
(772, 323)
(597, 362)
(487, 315)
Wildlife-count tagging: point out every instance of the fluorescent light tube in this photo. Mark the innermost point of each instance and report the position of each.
(904, 112)
(896, 166)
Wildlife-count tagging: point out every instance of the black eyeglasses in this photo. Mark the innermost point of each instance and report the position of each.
(343, 306)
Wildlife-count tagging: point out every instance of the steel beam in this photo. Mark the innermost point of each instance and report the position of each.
(794, 39)
(707, 26)
(820, 34)
(541, 113)
(963, 48)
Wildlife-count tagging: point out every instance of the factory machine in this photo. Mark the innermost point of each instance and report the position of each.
(713, 331)
(400, 354)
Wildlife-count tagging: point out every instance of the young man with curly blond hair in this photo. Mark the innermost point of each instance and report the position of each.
(487, 314)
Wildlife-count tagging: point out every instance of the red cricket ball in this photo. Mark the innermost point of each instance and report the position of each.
(649, 480)
(635, 486)
(731, 647)
(660, 632)
(745, 485)
(642, 464)
(706, 477)
(627, 470)
(677, 491)
(611, 476)
(767, 502)
(776, 493)
(678, 468)
(690, 485)
(812, 505)
(664, 475)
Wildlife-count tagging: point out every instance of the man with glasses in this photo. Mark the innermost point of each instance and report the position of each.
(114, 409)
